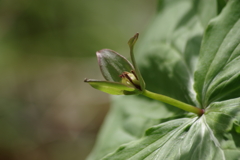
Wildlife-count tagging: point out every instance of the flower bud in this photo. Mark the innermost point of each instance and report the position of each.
(130, 79)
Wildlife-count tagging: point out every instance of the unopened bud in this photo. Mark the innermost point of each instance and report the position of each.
(130, 79)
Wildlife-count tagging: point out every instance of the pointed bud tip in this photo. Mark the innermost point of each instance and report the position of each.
(85, 80)
(136, 35)
(133, 40)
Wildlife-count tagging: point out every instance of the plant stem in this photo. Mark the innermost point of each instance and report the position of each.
(173, 102)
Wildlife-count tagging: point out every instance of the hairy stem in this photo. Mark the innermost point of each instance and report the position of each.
(173, 102)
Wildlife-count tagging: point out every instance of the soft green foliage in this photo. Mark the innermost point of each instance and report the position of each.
(139, 128)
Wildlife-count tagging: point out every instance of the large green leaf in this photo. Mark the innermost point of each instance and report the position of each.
(167, 57)
(217, 77)
(208, 137)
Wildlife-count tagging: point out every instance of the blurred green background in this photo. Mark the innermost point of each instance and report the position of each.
(47, 49)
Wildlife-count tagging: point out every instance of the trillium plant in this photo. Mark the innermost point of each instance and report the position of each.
(124, 78)
(185, 102)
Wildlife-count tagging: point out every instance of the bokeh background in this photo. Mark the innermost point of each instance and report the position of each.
(47, 48)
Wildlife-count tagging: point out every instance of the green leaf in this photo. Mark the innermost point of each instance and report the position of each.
(217, 77)
(207, 137)
(110, 87)
(112, 64)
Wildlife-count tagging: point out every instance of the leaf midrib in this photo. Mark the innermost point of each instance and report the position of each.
(214, 139)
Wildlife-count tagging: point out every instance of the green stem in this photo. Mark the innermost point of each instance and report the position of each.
(173, 102)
